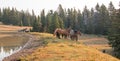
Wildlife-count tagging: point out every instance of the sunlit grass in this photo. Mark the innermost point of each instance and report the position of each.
(65, 50)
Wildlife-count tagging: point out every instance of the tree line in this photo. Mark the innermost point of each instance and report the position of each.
(92, 21)
(97, 20)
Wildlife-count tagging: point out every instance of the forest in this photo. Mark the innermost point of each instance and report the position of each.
(99, 20)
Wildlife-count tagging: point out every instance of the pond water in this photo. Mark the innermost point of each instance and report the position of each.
(11, 43)
(4, 52)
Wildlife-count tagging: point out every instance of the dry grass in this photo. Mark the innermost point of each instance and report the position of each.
(65, 50)
(68, 52)
(98, 42)
(11, 28)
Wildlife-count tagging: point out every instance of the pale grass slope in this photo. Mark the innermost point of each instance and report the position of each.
(67, 51)
(11, 28)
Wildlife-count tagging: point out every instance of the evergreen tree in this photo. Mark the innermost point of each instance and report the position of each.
(33, 17)
(86, 16)
(61, 23)
(96, 19)
(91, 23)
(80, 21)
(43, 21)
(111, 10)
(0, 15)
(49, 18)
(36, 25)
(61, 14)
(68, 20)
(114, 34)
(55, 22)
(104, 20)
(75, 20)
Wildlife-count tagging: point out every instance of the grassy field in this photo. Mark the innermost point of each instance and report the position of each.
(65, 50)
(98, 42)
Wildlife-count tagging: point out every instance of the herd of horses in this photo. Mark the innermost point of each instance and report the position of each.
(61, 33)
(65, 33)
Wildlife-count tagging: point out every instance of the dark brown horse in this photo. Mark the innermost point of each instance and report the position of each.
(64, 33)
(75, 35)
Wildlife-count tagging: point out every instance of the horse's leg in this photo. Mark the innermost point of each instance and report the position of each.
(58, 35)
(72, 38)
(76, 38)
(63, 36)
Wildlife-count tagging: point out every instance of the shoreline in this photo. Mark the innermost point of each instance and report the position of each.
(25, 50)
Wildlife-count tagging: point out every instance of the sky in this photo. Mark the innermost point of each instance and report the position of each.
(38, 5)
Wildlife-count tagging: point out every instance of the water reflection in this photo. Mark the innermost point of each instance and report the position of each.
(5, 51)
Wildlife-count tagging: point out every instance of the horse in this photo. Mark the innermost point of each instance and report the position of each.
(64, 33)
(22, 30)
(75, 35)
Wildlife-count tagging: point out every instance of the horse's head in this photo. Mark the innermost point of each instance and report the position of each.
(54, 32)
(57, 30)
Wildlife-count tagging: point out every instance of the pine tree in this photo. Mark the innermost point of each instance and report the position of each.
(111, 10)
(49, 18)
(104, 20)
(86, 16)
(55, 22)
(36, 25)
(80, 21)
(43, 21)
(61, 14)
(0, 15)
(114, 34)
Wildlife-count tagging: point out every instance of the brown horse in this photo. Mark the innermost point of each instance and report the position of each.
(64, 33)
(75, 35)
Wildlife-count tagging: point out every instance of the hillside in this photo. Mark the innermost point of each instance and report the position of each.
(65, 50)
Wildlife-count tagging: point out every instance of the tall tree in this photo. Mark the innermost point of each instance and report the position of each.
(86, 16)
(91, 22)
(111, 10)
(61, 13)
(104, 19)
(55, 22)
(37, 25)
(114, 34)
(49, 18)
(0, 15)
(43, 21)
(80, 21)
